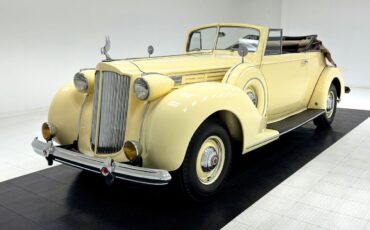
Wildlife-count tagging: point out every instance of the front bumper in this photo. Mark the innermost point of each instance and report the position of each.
(98, 165)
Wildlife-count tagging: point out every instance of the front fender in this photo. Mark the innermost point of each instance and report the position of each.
(64, 112)
(172, 121)
(328, 76)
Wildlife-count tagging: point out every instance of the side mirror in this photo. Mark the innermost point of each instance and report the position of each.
(242, 51)
(150, 50)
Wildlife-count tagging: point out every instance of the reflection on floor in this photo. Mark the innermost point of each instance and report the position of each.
(64, 198)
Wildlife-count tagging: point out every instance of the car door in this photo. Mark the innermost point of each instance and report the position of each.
(286, 78)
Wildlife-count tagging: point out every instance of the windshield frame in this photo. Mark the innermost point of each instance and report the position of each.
(218, 27)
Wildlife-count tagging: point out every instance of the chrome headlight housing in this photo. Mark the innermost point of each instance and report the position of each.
(141, 88)
(81, 83)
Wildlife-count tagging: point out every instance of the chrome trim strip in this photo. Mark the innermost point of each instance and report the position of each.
(262, 142)
(177, 79)
(222, 70)
(119, 170)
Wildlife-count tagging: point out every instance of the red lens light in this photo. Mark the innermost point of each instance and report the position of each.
(105, 171)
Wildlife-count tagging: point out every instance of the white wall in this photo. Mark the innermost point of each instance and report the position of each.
(43, 43)
(261, 12)
(343, 26)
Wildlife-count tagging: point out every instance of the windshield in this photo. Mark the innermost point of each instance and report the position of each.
(226, 38)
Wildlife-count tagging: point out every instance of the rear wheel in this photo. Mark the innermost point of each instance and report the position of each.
(325, 120)
(207, 161)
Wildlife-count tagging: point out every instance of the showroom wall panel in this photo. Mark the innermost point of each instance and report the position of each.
(261, 12)
(343, 26)
(44, 43)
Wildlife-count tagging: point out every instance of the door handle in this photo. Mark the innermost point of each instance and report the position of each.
(304, 61)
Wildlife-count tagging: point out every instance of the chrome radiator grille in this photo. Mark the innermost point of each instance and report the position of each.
(109, 124)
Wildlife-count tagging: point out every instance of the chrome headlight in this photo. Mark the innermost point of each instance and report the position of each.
(141, 88)
(81, 82)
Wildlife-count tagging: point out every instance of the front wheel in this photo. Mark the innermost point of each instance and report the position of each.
(207, 161)
(325, 120)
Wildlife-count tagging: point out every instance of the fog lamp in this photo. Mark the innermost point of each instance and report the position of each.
(48, 131)
(132, 150)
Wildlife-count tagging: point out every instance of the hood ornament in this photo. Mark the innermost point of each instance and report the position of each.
(104, 50)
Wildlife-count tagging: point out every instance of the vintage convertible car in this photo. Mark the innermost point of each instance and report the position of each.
(148, 120)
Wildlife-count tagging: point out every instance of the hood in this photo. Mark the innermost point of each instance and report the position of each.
(173, 65)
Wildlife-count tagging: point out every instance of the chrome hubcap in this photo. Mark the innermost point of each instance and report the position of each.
(210, 160)
(330, 104)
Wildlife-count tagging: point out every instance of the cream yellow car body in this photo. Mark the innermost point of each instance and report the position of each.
(213, 83)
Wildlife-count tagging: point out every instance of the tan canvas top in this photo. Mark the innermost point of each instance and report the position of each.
(303, 45)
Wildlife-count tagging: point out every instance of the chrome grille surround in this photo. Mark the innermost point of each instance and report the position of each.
(110, 106)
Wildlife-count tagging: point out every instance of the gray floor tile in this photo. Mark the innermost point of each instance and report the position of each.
(235, 225)
(330, 192)
(257, 217)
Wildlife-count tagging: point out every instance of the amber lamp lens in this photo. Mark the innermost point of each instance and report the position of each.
(130, 150)
(46, 131)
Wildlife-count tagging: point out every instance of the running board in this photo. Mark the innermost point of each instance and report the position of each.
(295, 121)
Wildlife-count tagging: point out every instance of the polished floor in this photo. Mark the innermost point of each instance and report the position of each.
(330, 192)
(262, 186)
(65, 198)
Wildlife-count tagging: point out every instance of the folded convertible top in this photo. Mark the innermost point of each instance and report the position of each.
(299, 44)
(306, 44)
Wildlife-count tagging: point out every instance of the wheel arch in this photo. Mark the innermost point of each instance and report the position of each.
(171, 122)
(231, 122)
(338, 87)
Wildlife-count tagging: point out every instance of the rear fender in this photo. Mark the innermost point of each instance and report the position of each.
(328, 76)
